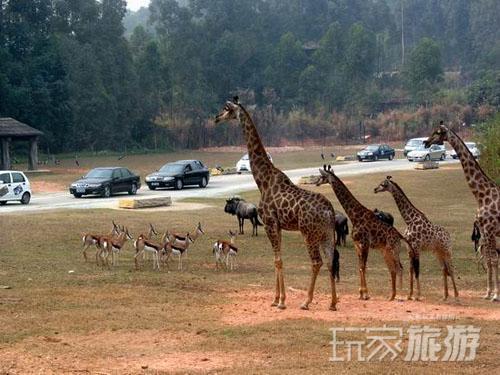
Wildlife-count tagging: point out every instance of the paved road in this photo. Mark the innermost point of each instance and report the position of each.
(219, 186)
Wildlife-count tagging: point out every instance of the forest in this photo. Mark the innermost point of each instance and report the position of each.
(308, 69)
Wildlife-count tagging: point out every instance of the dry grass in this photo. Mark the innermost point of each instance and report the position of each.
(201, 320)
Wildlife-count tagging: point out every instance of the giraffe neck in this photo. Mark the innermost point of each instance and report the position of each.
(260, 164)
(474, 175)
(351, 205)
(408, 211)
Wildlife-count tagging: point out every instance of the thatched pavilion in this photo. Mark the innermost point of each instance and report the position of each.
(11, 131)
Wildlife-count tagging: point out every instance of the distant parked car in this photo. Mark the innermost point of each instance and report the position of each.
(105, 182)
(472, 148)
(375, 152)
(243, 165)
(413, 144)
(435, 152)
(14, 186)
(179, 174)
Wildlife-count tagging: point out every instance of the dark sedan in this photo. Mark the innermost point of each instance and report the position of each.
(179, 174)
(376, 152)
(105, 182)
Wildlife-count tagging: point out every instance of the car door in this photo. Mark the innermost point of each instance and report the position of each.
(6, 187)
(128, 178)
(189, 175)
(435, 152)
(18, 185)
(116, 181)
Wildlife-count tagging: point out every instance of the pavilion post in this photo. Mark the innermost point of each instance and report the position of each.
(6, 153)
(33, 156)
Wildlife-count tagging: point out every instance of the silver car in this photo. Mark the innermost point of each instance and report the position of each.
(435, 152)
(472, 148)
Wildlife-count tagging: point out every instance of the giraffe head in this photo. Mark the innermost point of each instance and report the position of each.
(438, 136)
(231, 111)
(385, 185)
(325, 175)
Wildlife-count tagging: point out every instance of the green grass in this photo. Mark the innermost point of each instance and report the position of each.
(38, 250)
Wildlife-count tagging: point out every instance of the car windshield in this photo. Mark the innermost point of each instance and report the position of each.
(172, 169)
(245, 157)
(99, 173)
(470, 144)
(372, 148)
(414, 142)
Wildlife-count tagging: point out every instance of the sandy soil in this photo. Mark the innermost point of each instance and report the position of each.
(176, 206)
(46, 187)
(116, 353)
(251, 307)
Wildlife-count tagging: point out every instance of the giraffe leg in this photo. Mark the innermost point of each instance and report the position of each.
(316, 265)
(362, 259)
(274, 235)
(329, 250)
(393, 265)
(410, 295)
(492, 259)
(451, 274)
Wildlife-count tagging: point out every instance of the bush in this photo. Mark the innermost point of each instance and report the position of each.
(489, 137)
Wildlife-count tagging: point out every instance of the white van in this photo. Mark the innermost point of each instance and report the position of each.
(414, 144)
(14, 186)
(243, 165)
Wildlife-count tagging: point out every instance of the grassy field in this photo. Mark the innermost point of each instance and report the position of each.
(202, 320)
(285, 158)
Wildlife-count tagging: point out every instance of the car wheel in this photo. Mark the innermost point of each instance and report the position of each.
(203, 183)
(25, 199)
(133, 189)
(3, 203)
(77, 195)
(179, 184)
(151, 187)
(443, 156)
(427, 158)
(106, 192)
(391, 156)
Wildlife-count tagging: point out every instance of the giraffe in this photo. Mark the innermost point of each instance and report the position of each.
(368, 232)
(284, 206)
(487, 194)
(422, 234)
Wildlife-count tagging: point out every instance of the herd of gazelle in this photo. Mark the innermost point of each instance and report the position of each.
(169, 245)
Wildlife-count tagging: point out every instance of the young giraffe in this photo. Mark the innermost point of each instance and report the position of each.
(422, 235)
(368, 232)
(487, 194)
(284, 206)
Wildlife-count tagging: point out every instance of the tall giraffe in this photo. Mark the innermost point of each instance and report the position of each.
(368, 232)
(422, 234)
(284, 206)
(487, 194)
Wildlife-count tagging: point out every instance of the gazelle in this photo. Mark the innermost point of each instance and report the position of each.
(179, 239)
(226, 251)
(148, 236)
(113, 246)
(177, 248)
(144, 245)
(91, 239)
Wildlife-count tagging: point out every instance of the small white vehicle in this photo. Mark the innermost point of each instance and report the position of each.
(243, 165)
(472, 148)
(14, 186)
(413, 144)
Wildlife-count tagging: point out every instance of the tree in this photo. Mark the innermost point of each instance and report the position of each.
(424, 69)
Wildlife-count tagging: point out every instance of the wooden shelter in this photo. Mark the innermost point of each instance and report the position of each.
(11, 131)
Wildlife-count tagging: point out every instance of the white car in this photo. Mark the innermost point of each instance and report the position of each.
(14, 186)
(243, 165)
(435, 152)
(472, 148)
(413, 144)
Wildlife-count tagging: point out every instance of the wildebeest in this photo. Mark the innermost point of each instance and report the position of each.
(386, 217)
(341, 228)
(243, 210)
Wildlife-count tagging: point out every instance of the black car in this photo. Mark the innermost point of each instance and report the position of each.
(106, 181)
(375, 152)
(179, 174)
